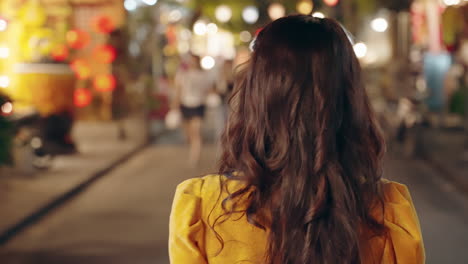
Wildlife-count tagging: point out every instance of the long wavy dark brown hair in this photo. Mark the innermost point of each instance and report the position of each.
(303, 138)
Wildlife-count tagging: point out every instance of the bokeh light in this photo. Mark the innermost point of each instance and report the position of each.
(81, 69)
(212, 28)
(452, 2)
(305, 7)
(60, 53)
(276, 10)
(150, 2)
(379, 24)
(4, 52)
(130, 5)
(360, 49)
(250, 14)
(77, 39)
(245, 36)
(104, 83)
(4, 81)
(105, 53)
(3, 24)
(175, 15)
(199, 28)
(7, 108)
(331, 2)
(103, 24)
(207, 63)
(223, 13)
(82, 97)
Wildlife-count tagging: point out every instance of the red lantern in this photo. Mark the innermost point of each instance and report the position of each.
(103, 24)
(104, 83)
(60, 53)
(105, 54)
(77, 39)
(331, 2)
(82, 97)
(81, 69)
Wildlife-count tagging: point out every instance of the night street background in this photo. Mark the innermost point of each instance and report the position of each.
(123, 218)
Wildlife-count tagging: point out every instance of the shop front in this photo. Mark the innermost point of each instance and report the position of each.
(61, 63)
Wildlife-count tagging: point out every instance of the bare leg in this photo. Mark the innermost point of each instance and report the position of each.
(195, 140)
(186, 128)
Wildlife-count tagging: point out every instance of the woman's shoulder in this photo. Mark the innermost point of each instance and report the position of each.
(209, 186)
(206, 193)
(402, 223)
(397, 201)
(395, 192)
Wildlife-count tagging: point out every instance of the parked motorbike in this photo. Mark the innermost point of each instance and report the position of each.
(39, 138)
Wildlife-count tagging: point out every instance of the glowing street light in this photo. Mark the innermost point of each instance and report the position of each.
(207, 63)
(276, 10)
(223, 13)
(379, 24)
(199, 28)
(305, 7)
(250, 14)
(360, 49)
(318, 15)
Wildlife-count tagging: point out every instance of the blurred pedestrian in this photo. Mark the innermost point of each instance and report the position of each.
(300, 179)
(192, 85)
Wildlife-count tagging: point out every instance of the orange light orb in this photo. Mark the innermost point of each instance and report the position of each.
(103, 24)
(60, 53)
(77, 39)
(105, 54)
(331, 2)
(104, 83)
(81, 69)
(82, 97)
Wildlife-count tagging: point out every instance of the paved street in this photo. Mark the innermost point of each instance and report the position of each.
(123, 218)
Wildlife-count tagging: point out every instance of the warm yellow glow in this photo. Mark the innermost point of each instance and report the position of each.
(250, 14)
(379, 24)
(360, 49)
(223, 13)
(452, 2)
(245, 36)
(305, 7)
(7, 108)
(276, 10)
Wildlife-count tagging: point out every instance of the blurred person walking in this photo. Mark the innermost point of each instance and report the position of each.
(300, 178)
(192, 85)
